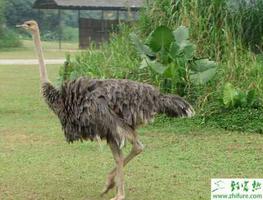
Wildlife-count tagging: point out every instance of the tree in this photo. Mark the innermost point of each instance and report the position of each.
(1, 17)
(18, 11)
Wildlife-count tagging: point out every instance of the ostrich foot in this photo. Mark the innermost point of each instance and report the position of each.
(110, 184)
(119, 197)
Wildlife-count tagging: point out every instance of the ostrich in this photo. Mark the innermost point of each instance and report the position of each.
(111, 110)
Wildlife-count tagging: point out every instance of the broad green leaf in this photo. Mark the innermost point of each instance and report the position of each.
(189, 51)
(144, 62)
(184, 48)
(175, 51)
(230, 95)
(203, 65)
(184, 43)
(161, 37)
(200, 78)
(157, 67)
(140, 47)
(181, 34)
(164, 56)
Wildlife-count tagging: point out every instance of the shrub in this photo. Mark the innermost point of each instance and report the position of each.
(116, 59)
(234, 97)
(170, 56)
(9, 39)
(70, 34)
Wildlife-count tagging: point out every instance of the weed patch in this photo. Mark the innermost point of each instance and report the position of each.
(240, 119)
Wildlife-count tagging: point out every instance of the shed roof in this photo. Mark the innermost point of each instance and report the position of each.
(89, 4)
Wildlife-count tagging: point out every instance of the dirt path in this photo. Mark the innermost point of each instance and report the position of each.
(30, 61)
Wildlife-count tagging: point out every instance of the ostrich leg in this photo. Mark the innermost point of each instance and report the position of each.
(136, 150)
(119, 159)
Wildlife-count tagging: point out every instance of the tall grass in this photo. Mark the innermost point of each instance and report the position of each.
(213, 21)
(221, 32)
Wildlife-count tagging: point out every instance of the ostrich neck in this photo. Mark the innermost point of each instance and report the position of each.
(39, 51)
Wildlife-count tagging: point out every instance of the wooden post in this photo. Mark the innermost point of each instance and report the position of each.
(60, 28)
(102, 26)
(118, 16)
(102, 14)
(79, 29)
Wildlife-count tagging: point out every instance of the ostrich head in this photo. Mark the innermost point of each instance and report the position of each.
(31, 26)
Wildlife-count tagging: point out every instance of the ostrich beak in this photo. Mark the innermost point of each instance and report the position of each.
(22, 26)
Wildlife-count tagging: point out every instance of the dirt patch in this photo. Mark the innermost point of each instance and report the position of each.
(10, 139)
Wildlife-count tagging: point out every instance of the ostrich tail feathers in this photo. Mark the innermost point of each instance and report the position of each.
(175, 106)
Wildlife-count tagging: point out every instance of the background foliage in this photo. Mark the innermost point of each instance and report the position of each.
(218, 28)
(1, 16)
(7, 37)
(18, 11)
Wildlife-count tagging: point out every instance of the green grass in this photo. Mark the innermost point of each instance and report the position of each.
(179, 160)
(51, 50)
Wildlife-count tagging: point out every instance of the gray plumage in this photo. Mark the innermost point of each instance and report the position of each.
(109, 109)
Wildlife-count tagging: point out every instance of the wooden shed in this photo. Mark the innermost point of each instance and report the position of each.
(96, 30)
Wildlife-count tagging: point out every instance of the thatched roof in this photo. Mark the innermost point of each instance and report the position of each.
(89, 4)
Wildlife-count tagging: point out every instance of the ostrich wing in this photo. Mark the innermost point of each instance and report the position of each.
(135, 103)
(89, 112)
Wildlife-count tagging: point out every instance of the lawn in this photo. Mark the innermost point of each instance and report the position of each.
(178, 162)
(51, 50)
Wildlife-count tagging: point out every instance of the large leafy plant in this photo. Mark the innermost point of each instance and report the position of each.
(234, 97)
(171, 57)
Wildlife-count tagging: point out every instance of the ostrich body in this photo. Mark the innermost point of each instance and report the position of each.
(111, 110)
